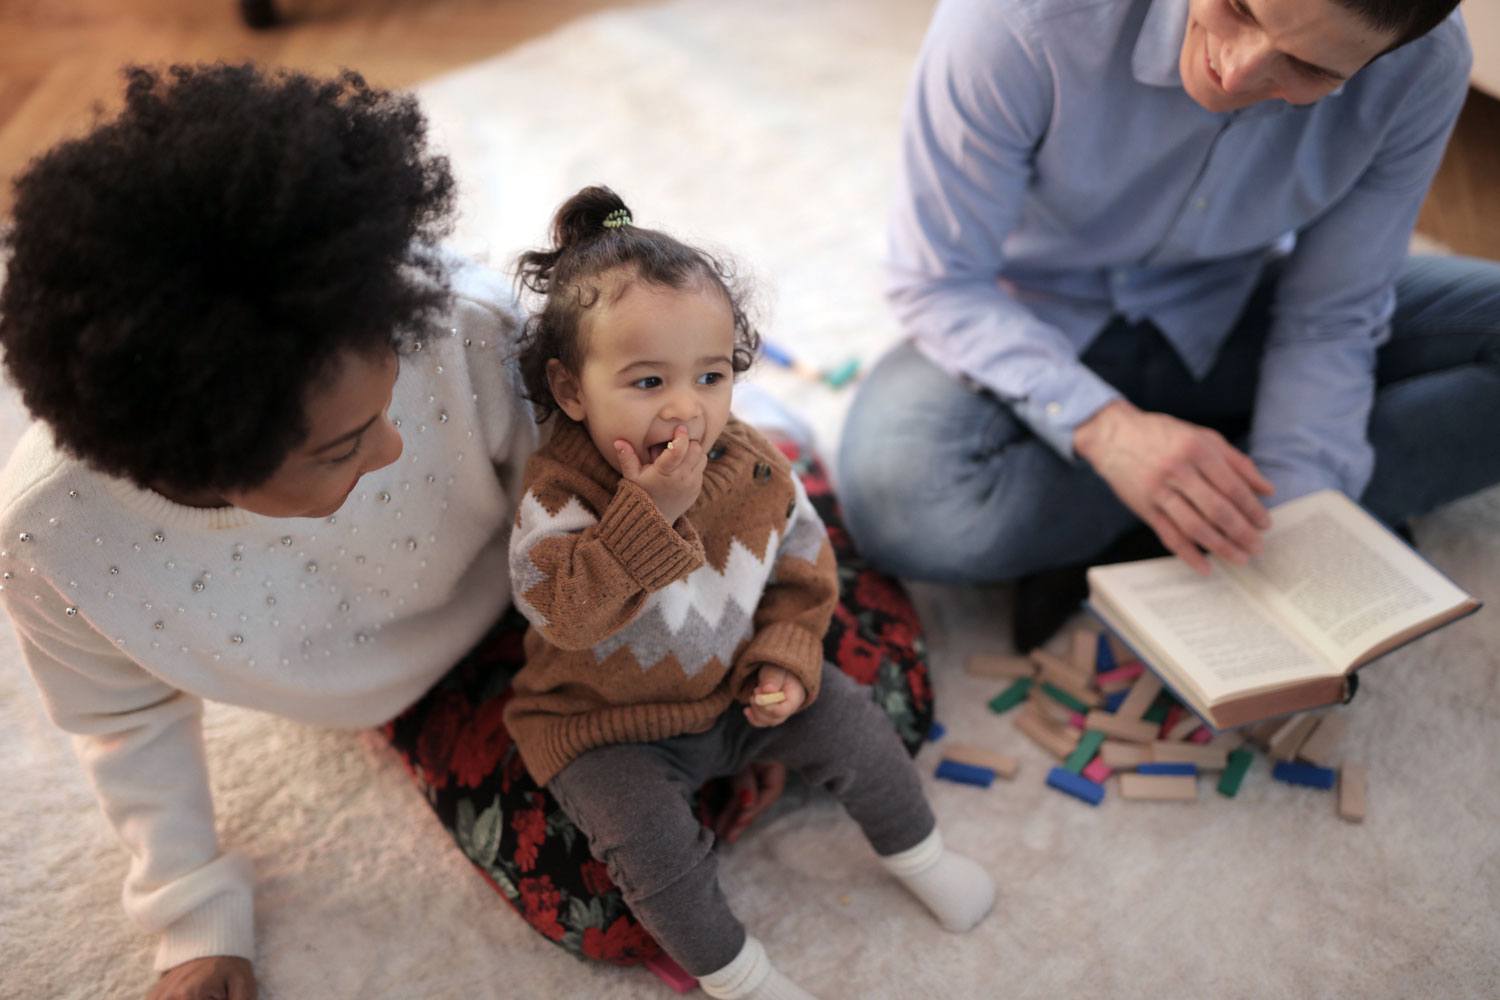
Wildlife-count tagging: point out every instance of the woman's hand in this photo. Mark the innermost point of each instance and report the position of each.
(217, 977)
(752, 792)
(1190, 485)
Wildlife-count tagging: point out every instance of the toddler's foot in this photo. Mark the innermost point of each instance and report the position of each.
(957, 891)
(750, 976)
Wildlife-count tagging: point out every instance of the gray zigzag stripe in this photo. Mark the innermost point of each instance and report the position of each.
(806, 535)
(649, 639)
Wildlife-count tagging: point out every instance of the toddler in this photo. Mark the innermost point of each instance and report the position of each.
(678, 585)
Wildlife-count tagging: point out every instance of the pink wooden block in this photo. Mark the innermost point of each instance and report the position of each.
(1201, 735)
(1097, 771)
(1120, 675)
(671, 973)
(1077, 721)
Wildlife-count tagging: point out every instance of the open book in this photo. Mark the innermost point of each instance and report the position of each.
(1331, 591)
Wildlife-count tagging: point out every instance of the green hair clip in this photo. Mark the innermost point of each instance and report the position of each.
(619, 217)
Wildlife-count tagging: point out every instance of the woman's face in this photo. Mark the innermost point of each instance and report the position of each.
(349, 435)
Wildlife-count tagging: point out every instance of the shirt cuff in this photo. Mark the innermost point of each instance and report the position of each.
(1058, 403)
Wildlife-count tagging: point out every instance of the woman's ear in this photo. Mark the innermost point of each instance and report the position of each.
(565, 389)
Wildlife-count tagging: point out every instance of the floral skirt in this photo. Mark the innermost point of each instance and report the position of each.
(456, 746)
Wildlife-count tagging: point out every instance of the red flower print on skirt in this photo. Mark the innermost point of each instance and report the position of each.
(595, 876)
(481, 743)
(439, 736)
(531, 829)
(625, 941)
(539, 902)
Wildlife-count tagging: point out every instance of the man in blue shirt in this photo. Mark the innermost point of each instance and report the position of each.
(1151, 256)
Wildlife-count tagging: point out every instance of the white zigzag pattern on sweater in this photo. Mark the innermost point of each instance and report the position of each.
(537, 524)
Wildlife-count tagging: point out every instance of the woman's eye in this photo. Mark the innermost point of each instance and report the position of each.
(346, 456)
(649, 382)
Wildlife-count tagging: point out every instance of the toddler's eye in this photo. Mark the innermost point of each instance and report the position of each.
(649, 382)
(711, 378)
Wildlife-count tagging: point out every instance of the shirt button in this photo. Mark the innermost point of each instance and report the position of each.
(1200, 204)
(1053, 409)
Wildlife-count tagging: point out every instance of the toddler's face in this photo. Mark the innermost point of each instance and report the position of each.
(655, 359)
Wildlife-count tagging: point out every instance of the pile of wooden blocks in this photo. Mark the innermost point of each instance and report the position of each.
(1102, 715)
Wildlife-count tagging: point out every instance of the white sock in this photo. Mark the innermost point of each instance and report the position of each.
(957, 891)
(751, 976)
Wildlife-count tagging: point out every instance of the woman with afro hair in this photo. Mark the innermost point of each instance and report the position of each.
(277, 442)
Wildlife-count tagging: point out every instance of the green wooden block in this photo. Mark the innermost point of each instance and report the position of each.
(1057, 694)
(1159, 709)
(1011, 696)
(1234, 772)
(1088, 745)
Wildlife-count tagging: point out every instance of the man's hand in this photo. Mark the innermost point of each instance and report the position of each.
(217, 977)
(771, 681)
(674, 480)
(1190, 485)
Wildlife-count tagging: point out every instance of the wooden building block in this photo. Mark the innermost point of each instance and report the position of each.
(1184, 727)
(1321, 748)
(1260, 734)
(1229, 740)
(1140, 697)
(1206, 757)
(1011, 696)
(1159, 787)
(1121, 652)
(1050, 709)
(1098, 772)
(1056, 740)
(1131, 730)
(1120, 678)
(998, 666)
(1083, 649)
(964, 774)
(1234, 772)
(978, 756)
(1124, 756)
(1294, 773)
(1075, 785)
(1088, 746)
(1060, 675)
(671, 973)
(1155, 768)
(1352, 780)
(1290, 737)
(1063, 697)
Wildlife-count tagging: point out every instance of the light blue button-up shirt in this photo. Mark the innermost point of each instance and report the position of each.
(1055, 173)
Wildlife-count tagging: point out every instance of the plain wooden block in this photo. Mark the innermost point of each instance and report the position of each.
(1321, 748)
(1290, 737)
(1229, 740)
(1050, 708)
(1124, 756)
(998, 666)
(1140, 697)
(1352, 780)
(1060, 673)
(1159, 787)
(1131, 730)
(1206, 756)
(1184, 727)
(1084, 650)
(1056, 740)
(978, 756)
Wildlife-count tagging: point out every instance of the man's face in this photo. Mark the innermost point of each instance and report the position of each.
(1240, 52)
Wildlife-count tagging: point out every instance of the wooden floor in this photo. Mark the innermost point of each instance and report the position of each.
(59, 63)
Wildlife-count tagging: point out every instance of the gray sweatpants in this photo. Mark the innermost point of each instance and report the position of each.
(633, 801)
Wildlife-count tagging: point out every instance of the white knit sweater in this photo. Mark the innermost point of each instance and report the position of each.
(130, 609)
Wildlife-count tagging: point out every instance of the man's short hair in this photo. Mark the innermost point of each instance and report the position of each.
(1409, 19)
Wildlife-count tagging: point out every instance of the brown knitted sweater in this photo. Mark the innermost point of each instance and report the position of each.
(643, 630)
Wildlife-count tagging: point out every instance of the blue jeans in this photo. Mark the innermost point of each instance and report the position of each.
(942, 482)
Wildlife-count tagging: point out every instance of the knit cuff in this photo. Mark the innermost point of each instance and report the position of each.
(649, 548)
(222, 925)
(792, 647)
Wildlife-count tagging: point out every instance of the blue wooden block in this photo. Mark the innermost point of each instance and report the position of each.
(1104, 658)
(1169, 768)
(1112, 701)
(1310, 775)
(965, 774)
(1076, 785)
(935, 731)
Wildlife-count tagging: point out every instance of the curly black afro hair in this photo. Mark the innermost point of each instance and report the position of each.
(183, 275)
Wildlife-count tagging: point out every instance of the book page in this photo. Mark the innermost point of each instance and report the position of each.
(1210, 628)
(1334, 573)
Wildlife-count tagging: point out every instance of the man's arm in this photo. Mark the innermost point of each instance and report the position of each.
(1334, 303)
(978, 107)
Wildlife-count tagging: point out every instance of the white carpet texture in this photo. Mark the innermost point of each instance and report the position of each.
(767, 127)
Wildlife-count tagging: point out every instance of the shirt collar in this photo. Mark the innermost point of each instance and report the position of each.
(1158, 48)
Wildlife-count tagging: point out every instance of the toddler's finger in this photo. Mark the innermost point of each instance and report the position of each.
(630, 464)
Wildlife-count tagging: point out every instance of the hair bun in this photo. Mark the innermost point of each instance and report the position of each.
(582, 217)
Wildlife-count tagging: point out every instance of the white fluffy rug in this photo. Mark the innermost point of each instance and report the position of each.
(767, 127)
